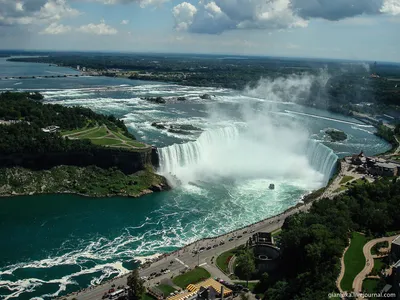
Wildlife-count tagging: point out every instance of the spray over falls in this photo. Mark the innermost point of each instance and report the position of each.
(237, 153)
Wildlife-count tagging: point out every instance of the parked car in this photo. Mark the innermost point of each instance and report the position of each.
(208, 248)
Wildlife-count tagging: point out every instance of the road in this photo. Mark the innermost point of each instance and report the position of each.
(184, 258)
(342, 270)
(369, 265)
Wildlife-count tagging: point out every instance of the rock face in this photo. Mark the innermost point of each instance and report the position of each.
(176, 128)
(158, 100)
(336, 135)
(127, 161)
(205, 97)
(158, 125)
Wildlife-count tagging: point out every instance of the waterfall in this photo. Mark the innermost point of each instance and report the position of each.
(192, 153)
(241, 153)
(321, 158)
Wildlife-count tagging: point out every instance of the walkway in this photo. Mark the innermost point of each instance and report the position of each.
(342, 270)
(358, 281)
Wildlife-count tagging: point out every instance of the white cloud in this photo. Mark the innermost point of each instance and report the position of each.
(26, 12)
(184, 14)
(217, 16)
(124, 22)
(220, 15)
(142, 3)
(54, 29)
(99, 29)
(391, 7)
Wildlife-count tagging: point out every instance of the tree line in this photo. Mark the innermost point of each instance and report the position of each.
(27, 115)
(312, 243)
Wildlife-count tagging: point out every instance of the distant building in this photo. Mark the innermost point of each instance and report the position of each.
(51, 129)
(83, 69)
(78, 67)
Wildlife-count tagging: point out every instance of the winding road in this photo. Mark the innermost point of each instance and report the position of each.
(369, 265)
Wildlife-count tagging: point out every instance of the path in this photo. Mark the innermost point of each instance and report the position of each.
(346, 169)
(109, 135)
(342, 270)
(89, 130)
(358, 281)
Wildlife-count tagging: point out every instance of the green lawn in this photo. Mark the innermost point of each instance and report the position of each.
(106, 141)
(378, 264)
(137, 144)
(166, 289)
(196, 275)
(223, 260)
(354, 260)
(100, 132)
(346, 179)
(342, 188)
(146, 296)
(371, 285)
(78, 132)
(276, 232)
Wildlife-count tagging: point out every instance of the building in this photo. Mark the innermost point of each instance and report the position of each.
(395, 248)
(381, 167)
(78, 67)
(51, 129)
(267, 256)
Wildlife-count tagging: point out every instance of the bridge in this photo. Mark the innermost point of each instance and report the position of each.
(42, 76)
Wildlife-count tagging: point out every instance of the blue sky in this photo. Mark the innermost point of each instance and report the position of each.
(349, 29)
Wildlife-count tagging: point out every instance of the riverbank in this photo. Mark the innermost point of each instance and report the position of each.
(85, 181)
(184, 255)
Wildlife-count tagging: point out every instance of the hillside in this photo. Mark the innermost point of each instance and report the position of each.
(38, 140)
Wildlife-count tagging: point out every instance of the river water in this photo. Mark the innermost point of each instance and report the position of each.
(57, 244)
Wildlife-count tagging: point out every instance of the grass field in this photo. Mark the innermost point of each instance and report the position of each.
(106, 142)
(196, 275)
(103, 136)
(146, 296)
(342, 188)
(166, 289)
(222, 260)
(378, 264)
(346, 179)
(371, 285)
(354, 260)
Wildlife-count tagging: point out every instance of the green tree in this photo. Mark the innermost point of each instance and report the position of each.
(136, 285)
(246, 265)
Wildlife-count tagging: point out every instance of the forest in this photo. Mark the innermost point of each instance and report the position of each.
(30, 115)
(312, 243)
(23, 143)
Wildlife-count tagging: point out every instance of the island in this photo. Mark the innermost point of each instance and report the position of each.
(46, 148)
(336, 135)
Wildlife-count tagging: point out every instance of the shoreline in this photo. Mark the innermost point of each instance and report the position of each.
(160, 256)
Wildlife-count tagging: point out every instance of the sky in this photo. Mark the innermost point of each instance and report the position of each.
(343, 29)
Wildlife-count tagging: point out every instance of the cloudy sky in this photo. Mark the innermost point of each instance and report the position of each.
(351, 29)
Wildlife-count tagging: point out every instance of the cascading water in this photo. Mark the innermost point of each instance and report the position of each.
(237, 153)
(322, 158)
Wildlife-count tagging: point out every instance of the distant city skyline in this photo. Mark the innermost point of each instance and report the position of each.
(340, 29)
